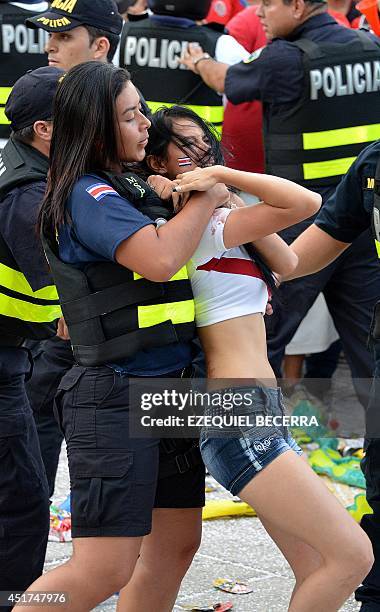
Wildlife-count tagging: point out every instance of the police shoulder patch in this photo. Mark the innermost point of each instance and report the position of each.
(100, 190)
(254, 55)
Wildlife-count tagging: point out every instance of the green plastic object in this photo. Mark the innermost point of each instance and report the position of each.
(329, 462)
(359, 507)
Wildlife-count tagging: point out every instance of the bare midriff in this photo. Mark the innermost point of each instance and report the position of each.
(237, 349)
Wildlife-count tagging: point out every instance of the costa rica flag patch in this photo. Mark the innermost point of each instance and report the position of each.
(100, 190)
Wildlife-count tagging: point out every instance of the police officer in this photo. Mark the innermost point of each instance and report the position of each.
(20, 50)
(348, 213)
(79, 31)
(150, 49)
(29, 308)
(319, 83)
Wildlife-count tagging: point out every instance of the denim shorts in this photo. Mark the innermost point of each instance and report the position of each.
(235, 455)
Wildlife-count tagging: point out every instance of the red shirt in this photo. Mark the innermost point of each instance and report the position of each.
(242, 136)
(221, 11)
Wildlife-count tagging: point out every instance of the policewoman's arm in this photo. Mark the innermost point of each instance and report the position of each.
(157, 254)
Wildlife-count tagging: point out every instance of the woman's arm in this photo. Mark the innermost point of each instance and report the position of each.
(278, 256)
(283, 203)
(274, 251)
(157, 254)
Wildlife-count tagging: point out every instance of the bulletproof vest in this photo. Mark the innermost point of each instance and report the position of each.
(150, 50)
(315, 142)
(21, 49)
(24, 313)
(111, 311)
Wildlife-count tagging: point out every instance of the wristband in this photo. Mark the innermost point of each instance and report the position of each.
(205, 56)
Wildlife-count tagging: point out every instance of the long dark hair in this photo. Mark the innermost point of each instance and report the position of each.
(161, 134)
(85, 131)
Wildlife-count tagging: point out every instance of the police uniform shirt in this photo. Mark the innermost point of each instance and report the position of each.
(348, 212)
(18, 220)
(102, 221)
(275, 73)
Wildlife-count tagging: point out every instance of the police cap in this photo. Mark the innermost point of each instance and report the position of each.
(31, 98)
(190, 9)
(65, 15)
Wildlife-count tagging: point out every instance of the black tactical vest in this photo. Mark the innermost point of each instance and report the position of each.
(21, 49)
(112, 312)
(24, 313)
(315, 142)
(150, 51)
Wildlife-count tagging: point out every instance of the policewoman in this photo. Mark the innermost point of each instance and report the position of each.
(29, 309)
(150, 49)
(354, 208)
(319, 84)
(128, 305)
(20, 50)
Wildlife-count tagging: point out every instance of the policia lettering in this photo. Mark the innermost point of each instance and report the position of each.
(21, 49)
(151, 52)
(352, 79)
(112, 312)
(341, 96)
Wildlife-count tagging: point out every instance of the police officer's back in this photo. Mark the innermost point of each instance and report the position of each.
(150, 49)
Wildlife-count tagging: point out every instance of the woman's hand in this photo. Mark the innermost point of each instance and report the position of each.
(62, 330)
(201, 179)
(161, 185)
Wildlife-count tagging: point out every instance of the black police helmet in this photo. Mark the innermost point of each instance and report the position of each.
(191, 9)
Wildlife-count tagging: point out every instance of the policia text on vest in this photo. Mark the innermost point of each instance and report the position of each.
(21, 49)
(151, 52)
(341, 97)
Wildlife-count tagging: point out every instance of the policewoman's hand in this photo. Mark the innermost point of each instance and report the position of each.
(201, 179)
(161, 185)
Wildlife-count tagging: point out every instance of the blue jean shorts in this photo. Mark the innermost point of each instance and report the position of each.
(234, 455)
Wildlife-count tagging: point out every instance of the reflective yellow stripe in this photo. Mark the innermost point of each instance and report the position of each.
(3, 119)
(377, 243)
(341, 137)
(180, 275)
(213, 114)
(16, 281)
(333, 167)
(4, 93)
(177, 312)
(11, 307)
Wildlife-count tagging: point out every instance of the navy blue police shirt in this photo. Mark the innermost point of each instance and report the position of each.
(275, 74)
(101, 221)
(18, 219)
(348, 212)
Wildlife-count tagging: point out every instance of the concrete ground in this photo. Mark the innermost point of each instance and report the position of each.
(235, 548)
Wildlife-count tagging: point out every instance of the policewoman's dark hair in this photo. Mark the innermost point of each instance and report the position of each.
(85, 131)
(161, 134)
